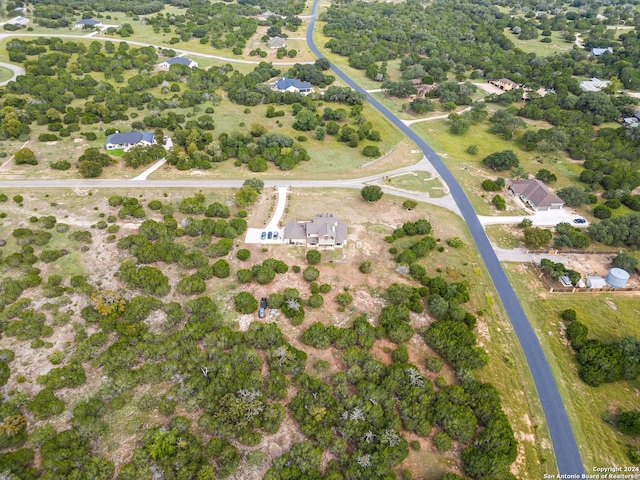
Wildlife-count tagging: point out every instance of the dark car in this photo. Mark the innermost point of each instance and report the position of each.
(275, 235)
(263, 302)
(269, 235)
(579, 220)
(263, 235)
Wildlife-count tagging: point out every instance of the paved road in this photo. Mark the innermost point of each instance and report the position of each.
(14, 68)
(564, 443)
(142, 44)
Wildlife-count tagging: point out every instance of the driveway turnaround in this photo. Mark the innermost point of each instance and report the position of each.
(564, 443)
(254, 235)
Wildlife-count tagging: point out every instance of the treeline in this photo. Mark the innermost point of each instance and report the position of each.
(602, 362)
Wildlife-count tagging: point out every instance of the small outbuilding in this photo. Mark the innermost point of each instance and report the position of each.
(617, 278)
(595, 282)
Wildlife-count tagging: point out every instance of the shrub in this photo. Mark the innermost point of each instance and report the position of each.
(243, 254)
(60, 165)
(244, 275)
(245, 303)
(371, 151)
(602, 211)
(442, 441)
(499, 202)
(25, 156)
(45, 404)
(434, 364)
(568, 315)
(325, 288)
(316, 300)
(313, 257)
(343, 299)
(455, 242)
(365, 267)
(310, 273)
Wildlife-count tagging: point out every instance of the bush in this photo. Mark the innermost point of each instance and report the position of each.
(245, 303)
(343, 299)
(60, 165)
(25, 156)
(442, 441)
(499, 202)
(365, 267)
(501, 160)
(310, 273)
(243, 254)
(568, 315)
(325, 288)
(313, 257)
(371, 193)
(455, 242)
(602, 211)
(316, 300)
(371, 151)
(434, 364)
(45, 404)
(244, 275)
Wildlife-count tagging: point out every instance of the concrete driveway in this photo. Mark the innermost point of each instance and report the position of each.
(549, 218)
(254, 234)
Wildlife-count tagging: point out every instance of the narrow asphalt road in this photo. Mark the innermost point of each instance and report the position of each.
(564, 443)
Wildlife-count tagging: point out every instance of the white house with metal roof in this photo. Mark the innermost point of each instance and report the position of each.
(187, 62)
(294, 85)
(88, 23)
(125, 141)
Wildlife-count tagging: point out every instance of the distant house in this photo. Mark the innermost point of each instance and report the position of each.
(127, 140)
(325, 230)
(88, 23)
(536, 194)
(187, 62)
(504, 84)
(594, 85)
(276, 42)
(598, 52)
(19, 21)
(292, 85)
(424, 90)
(268, 14)
(630, 122)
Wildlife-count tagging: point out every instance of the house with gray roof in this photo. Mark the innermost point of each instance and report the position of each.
(325, 230)
(187, 62)
(294, 85)
(598, 52)
(535, 194)
(276, 42)
(594, 85)
(19, 21)
(125, 141)
(88, 23)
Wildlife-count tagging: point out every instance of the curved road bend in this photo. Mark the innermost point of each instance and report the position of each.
(564, 443)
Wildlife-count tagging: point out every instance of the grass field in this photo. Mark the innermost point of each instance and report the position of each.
(5, 74)
(609, 317)
(557, 45)
(418, 182)
(469, 171)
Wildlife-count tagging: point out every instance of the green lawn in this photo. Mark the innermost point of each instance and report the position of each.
(557, 45)
(609, 317)
(468, 168)
(5, 74)
(418, 182)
